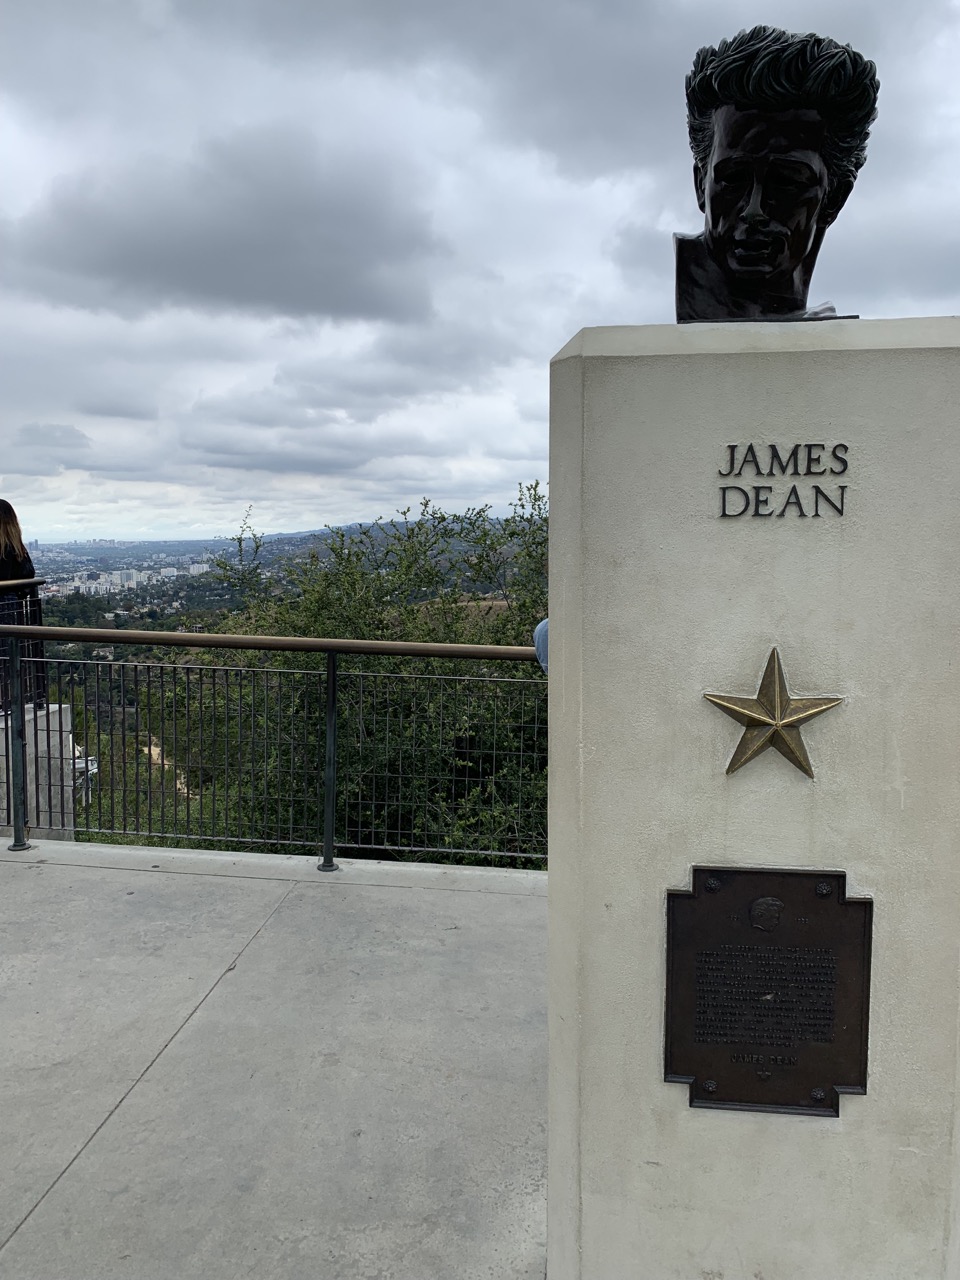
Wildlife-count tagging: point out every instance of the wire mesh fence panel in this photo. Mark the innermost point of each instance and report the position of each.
(233, 757)
(20, 606)
(453, 763)
(51, 769)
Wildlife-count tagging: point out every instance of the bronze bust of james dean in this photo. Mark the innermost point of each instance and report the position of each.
(778, 127)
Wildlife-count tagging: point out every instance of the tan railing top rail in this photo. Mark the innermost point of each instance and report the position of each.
(286, 644)
(9, 584)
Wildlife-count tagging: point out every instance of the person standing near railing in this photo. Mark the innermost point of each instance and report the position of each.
(15, 562)
(15, 566)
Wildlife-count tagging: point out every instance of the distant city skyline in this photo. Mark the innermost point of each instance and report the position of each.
(95, 542)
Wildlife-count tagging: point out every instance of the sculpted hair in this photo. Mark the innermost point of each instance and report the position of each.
(767, 69)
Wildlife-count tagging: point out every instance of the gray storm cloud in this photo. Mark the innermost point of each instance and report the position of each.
(262, 220)
(39, 448)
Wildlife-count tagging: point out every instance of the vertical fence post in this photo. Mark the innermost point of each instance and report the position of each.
(18, 750)
(330, 768)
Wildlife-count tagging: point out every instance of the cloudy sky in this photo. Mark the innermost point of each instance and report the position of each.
(315, 255)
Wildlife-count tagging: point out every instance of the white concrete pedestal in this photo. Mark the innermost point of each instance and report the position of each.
(656, 598)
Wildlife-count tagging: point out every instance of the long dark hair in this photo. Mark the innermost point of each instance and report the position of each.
(10, 536)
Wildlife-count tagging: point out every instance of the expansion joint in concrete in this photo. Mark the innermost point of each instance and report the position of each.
(153, 1061)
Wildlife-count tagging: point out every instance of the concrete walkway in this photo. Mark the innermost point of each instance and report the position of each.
(224, 1066)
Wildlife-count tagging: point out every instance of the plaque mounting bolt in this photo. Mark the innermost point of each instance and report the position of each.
(709, 1086)
(819, 1095)
(712, 885)
(824, 889)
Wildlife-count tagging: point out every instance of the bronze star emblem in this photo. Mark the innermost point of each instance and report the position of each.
(771, 719)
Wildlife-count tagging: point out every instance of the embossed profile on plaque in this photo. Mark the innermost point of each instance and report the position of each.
(765, 914)
(768, 990)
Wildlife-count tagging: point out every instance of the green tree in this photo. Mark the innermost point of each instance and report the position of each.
(242, 573)
(445, 577)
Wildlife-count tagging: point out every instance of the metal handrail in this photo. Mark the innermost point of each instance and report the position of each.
(211, 640)
(9, 583)
(286, 644)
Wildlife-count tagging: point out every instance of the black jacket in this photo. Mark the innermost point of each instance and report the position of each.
(11, 567)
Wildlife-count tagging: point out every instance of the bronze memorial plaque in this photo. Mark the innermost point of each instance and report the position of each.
(768, 990)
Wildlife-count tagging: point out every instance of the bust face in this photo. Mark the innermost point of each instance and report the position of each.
(764, 195)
